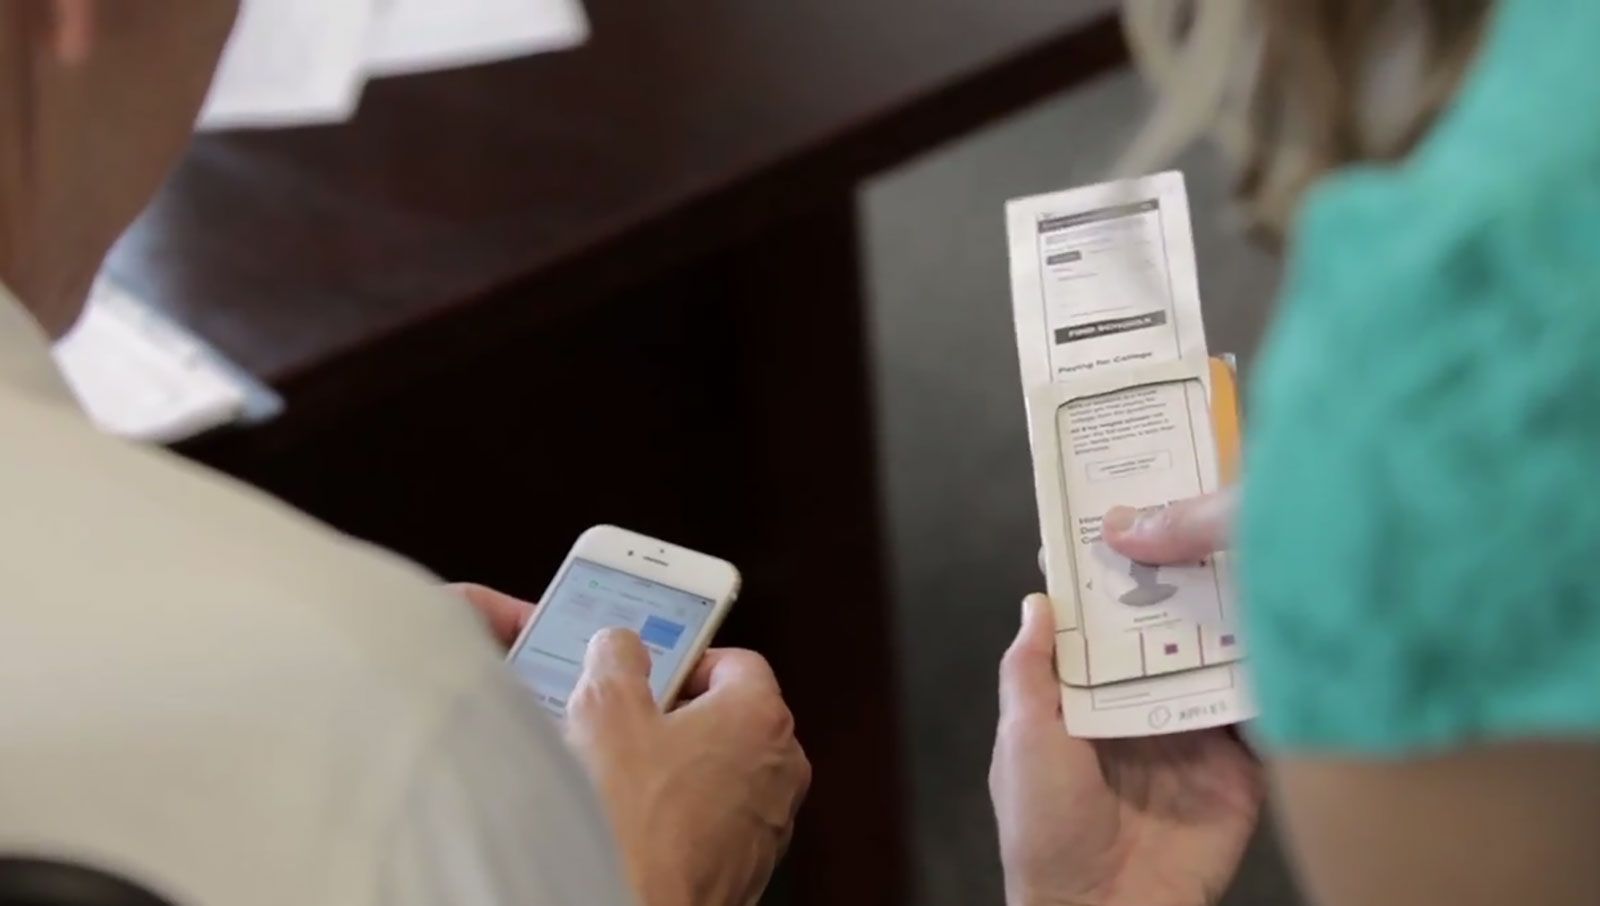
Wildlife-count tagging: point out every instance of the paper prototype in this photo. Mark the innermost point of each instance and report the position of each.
(1118, 386)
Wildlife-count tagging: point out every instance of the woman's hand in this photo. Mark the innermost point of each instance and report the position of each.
(1159, 821)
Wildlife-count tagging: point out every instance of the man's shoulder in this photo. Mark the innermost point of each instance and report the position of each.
(106, 538)
(203, 683)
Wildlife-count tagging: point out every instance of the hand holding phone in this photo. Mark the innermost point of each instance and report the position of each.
(673, 598)
(702, 799)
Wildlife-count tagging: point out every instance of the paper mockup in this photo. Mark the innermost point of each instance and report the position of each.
(1118, 386)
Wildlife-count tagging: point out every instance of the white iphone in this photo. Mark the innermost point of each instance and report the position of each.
(673, 597)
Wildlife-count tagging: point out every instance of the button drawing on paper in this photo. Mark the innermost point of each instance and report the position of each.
(1146, 590)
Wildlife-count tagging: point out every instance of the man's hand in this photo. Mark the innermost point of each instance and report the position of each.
(504, 615)
(1159, 821)
(702, 799)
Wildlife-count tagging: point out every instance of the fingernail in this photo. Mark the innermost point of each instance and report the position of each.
(605, 635)
(1120, 519)
(1031, 605)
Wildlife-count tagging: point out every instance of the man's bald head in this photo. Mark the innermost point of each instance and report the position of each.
(97, 101)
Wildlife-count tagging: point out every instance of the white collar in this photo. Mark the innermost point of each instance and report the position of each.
(25, 360)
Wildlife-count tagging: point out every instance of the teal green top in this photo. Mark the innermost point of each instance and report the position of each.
(1420, 538)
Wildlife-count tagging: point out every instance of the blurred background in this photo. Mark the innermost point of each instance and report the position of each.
(732, 273)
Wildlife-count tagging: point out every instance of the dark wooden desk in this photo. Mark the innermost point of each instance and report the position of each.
(617, 284)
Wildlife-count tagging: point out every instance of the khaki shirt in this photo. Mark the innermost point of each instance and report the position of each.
(210, 693)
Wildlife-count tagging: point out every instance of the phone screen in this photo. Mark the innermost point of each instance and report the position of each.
(591, 597)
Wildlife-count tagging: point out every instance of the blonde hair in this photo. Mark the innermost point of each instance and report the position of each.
(1291, 89)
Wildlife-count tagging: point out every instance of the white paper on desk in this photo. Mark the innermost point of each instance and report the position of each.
(1112, 351)
(418, 35)
(306, 62)
(291, 62)
(141, 376)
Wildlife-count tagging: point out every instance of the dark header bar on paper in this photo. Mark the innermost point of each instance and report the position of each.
(1122, 210)
(1106, 328)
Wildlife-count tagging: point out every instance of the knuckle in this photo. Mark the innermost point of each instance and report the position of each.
(1014, 731)
(1013, 663)
(600, 695)
(1161, 521)
(754, 662)
(1007, 729)
(1020, 724)
(773, 717)
(1003, 762)
(582, 705)
(763, 711)
(804, 773)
